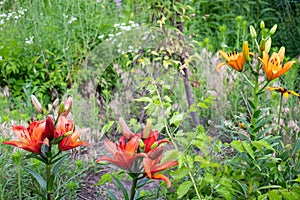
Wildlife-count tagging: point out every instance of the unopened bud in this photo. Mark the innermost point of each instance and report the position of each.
(147, 130)
(246, 51)
(61, 108)
(273, 29)
(156, 153)
(262, 25)
(141, 143)
(125, 129)
(68, 106)
(36, 104)
(262, 45)
(239, 19)
(252, 32)
(55, 103)
(268, 45)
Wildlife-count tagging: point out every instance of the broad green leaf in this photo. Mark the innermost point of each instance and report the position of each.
(180, 173)
(274, 195)
(176, 119)
(104, 179)
(248, 149)
(38, 178)
(237, 145)
(190, 161)
(144, 99)
(262, 143)
(289, 195)
(170, 155)
(202, 105)
(106, 128)
(183, 188)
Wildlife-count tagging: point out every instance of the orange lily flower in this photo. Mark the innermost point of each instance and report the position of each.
(152, 165)
(273, 65)
(236, 60)
(66, 129)
(124, 155)
(71, 141)
(284, 91)
(31, 138)
(63, 126)
(148, 136)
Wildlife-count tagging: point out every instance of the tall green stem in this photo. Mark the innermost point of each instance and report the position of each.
(255, 100)
(19, 181)
(48, 172)
(133, 188)
(279, 114)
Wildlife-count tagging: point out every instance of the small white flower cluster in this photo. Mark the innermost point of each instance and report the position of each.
(29, 40)
(120, 28)
(70, 19)
(12, 16)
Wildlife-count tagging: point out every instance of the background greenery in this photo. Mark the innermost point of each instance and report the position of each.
(44, 49)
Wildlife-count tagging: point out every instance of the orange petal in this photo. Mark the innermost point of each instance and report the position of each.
(224, 55)
(221, 65)
(163, 166)
(287, 66)
(163, 178)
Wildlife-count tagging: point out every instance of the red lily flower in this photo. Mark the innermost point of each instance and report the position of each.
(31, 138)
(152, 139)
(124, 155)
(152, 165)
(49, 128)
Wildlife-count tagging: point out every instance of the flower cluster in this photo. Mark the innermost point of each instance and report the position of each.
(140, 154)
(48, 132)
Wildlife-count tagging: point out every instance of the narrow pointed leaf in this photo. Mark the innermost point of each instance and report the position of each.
(57, 166)
(121, 186)
(111, 195)
(37, 177)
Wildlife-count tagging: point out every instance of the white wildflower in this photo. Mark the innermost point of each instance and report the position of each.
(72, 19)
(29, 40)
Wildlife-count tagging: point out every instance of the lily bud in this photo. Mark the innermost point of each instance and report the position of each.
(156, 153)
(61, 108)
(268, 45)
(49, 128)
(55, 103)
(68, 106)
(273, 29)
(246, 51)
(262, 25)
(125, 129)
(36, 104)
(252, 32)
(262, 45)
(141, 143)
(147, 130)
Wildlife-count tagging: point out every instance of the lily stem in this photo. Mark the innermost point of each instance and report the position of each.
(279, 115)
(133, 188)
(19, 180)
(48, 172)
